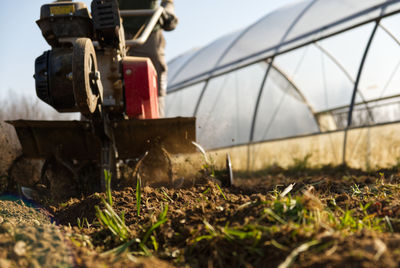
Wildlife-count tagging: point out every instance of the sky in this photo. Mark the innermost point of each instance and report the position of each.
(200, 22)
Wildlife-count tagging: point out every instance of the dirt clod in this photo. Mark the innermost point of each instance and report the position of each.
(10, 147)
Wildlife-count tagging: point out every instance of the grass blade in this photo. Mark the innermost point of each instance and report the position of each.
(161, 220)
(107, 176)
(220, 190)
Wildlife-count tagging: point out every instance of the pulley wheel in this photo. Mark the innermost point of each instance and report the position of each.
(85, 75)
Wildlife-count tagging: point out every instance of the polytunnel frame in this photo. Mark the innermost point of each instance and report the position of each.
(221, 70)
(355, 90)
(270, 60)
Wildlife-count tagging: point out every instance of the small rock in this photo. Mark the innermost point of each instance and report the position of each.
(5, 263)
(380, 247)
(20, 248)
(1, 219)
(36, 222)
(220, 208)
(6, 227)
(175, 253)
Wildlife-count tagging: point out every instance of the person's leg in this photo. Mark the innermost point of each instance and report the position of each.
(161, 106)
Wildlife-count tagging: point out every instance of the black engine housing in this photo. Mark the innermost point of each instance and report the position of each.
(65, 20)
(53, 79)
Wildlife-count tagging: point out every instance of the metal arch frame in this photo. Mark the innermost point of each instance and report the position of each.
(260, 92)
(295, 87)
(300, 15)
(223, 53)
(333, 58)
(389, 33)
(394, 38)
(193, 50)
(206, 86)
(184, 64)
(198, 78)
(359, 103)
(355, 90)
(271, 65)
(352, 104)
(229, 47)
(353, 97)
(196, 109)
(296, 19)
(346, 73)
(255, 113)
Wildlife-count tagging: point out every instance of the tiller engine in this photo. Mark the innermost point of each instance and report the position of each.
(87, 71)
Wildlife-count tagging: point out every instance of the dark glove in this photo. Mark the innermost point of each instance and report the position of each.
(169, 18)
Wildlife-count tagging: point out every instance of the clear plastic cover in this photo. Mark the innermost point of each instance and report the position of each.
(381, 73)
(176, 64)
(392, 24)
(348, 48)
(325, 72)
(281, 112)
(308, 88)
(183, 102)
(282, 30)
(206, 59)
(226, 110)
(267, 33)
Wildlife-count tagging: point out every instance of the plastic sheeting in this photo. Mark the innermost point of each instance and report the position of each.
(269, 81)
(282, 30)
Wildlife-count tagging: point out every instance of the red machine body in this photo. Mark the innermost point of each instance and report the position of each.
(141, 90)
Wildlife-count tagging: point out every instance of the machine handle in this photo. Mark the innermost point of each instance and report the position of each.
(136, 12)
(155, 17)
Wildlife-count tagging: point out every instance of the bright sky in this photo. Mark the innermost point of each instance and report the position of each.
(200, 23)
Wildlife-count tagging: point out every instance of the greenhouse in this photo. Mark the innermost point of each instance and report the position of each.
(318, 79)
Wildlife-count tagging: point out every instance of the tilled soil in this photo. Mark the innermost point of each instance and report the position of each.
(330, 218)
(28, 239)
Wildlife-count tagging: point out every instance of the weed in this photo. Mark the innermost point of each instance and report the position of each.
(110, 219)
(286, 221)
(220, 190)
(122, 248)
(167, 196)
(107, 177)
(162, 218)
(79, 223)
(389, 224)
(301, 164)
(356, 191)
(207, 190)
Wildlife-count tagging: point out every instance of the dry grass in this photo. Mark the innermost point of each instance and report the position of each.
(29, 108)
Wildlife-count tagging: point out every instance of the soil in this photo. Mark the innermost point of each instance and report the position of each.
(10, 147)
(210, 226)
